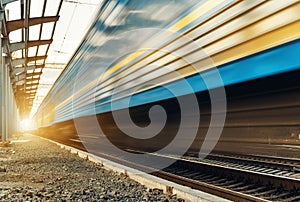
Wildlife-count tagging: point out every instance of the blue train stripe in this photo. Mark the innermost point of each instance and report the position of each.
(270, 62)
(273, 61)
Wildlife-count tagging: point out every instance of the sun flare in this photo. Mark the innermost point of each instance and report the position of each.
(26, 124)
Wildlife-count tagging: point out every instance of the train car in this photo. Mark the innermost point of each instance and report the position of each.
(181, 77)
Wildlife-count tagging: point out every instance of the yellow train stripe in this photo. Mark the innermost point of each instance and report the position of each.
(195, 14)
(123, 62)
(280, 36)
(201, 10)
(269, 23)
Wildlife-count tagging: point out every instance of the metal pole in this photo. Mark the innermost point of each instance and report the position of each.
(2, 83)
(18, 119)
(7, 100)
(10, 113)
(12, 110)
(6, 97)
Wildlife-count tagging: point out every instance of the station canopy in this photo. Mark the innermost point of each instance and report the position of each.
(39, 38)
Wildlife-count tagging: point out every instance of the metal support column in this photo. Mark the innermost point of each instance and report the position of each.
(3, 110)
(7, 111)
(6, 85)
(9, 104)
(4, 98)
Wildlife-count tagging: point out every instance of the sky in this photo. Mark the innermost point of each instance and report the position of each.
(75, 18)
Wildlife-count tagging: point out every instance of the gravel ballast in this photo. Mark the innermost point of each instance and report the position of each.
(36, 170)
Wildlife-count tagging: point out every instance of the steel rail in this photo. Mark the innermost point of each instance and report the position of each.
(224, 181)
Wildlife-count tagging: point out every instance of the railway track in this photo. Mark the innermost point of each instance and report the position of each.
(238, 177)
(286, 167)
(232, 176)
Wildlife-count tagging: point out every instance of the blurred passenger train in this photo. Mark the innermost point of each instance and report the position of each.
(143, 65)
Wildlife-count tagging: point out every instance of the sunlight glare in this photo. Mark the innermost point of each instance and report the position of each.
(26, 124)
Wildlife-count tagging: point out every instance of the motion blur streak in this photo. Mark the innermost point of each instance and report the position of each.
(254, 46)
